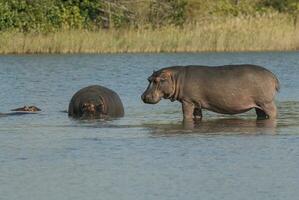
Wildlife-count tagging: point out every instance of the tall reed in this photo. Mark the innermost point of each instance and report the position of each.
(259, 33)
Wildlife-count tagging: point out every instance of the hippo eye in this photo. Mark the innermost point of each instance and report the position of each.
(162, 80)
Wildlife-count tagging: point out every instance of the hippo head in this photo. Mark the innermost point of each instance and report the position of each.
(160, 86)
(33, 109)
(90, 109)
(27, 109)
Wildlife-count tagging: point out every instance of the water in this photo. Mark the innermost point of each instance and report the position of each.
(148, 154)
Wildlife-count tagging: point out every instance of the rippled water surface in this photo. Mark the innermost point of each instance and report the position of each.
(148, 154)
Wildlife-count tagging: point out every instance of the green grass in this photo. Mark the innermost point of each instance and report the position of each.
(273, 32)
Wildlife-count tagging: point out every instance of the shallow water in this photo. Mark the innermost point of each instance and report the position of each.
(147, 154)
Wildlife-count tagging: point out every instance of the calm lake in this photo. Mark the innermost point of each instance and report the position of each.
(148, 154)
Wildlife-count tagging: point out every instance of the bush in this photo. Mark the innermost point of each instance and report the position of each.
(164, 12)
(290, 6)
(53, 15)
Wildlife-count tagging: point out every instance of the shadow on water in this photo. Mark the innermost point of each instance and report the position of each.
(212, 124)
(223, 126)
(288, 117)
(288, 113)
(19, 113)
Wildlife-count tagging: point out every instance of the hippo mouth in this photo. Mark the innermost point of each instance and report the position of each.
(151, 100)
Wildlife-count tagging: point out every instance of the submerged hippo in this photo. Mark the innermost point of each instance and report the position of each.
(229, 89)
(22, 111)
(27, 109)
(95, 102)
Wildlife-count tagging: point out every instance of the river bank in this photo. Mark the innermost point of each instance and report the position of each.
(260, 33)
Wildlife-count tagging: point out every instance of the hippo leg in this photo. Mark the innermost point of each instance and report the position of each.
(266, 111)
(260, 114)
(188, 109)
(197, 113)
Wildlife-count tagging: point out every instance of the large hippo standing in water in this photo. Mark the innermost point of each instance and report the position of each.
(95, 102)
(229, 89)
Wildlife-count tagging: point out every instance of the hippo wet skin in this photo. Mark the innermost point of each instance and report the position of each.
(95, 102)
(229, 89)
(22, 111)
(27, 109)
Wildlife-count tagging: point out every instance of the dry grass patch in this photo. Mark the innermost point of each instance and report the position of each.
(262, 33)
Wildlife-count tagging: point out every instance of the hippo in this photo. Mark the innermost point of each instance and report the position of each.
(22, 111)
(228, 89)
(27, 109)
(95, 101)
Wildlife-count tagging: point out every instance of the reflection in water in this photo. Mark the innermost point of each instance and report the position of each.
(288, 116)
(236, 126)
(47, 155)
(226, 126)
(19, 113)
(288, 113)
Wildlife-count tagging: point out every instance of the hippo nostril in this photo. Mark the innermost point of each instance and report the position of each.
(145, 96)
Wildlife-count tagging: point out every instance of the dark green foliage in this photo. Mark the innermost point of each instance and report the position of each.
(163, 12)
(281, 5)
(53, 15)
(31, 15)
(247, 7)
